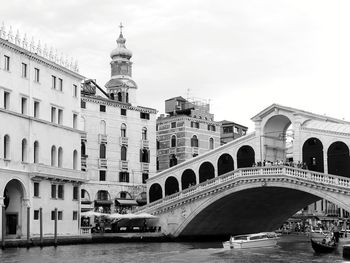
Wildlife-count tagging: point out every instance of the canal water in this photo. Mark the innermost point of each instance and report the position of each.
(290, 249)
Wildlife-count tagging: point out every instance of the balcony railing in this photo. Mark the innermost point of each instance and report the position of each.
(102, 163)
(47, 171)
(124, 140)
(124, 165)
(144, 143)
(102, 138)
(144, 167)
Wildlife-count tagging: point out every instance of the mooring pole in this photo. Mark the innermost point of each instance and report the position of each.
(41, 226)
(28, 227)
(55, 233)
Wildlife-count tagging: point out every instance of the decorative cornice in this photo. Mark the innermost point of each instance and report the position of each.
(165, 120)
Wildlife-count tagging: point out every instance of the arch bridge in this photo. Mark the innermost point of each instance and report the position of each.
(292, 159)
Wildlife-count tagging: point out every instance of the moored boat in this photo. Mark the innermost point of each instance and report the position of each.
(257, 240)
(323, 246)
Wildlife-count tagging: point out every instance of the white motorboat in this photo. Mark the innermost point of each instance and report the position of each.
(263, 239)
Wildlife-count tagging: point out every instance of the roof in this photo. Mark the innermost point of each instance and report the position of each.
(177, 98)
(121, 82)
(328, 126)
(126, 201)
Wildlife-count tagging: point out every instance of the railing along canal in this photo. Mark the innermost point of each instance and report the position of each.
(296, 173)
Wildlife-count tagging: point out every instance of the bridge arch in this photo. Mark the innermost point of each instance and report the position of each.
(225, 164)
(219, 210)
(206, 172)
(313, 154)
(245, 156)
(275, 137)
(188, 179)
(171, 185)
(338, 159)
(155, 192)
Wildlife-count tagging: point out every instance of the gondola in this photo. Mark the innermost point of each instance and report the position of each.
(323, 247)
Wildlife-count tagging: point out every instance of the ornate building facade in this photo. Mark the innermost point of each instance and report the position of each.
(119, 147)
(40, 175)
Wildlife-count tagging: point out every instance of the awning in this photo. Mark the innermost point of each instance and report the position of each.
(126, 201)
(103, 202)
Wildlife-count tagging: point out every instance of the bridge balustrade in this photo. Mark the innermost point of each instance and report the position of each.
(305, 175)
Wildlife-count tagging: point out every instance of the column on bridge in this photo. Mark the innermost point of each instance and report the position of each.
(325, 160)
(2, 206)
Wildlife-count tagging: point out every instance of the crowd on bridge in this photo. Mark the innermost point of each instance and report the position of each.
(299, 164)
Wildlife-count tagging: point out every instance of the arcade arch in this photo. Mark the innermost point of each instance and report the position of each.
(245, 156)
(313, 154)
(338, 159)
(155, 192)
(225, 164)
(171, 185)
(188, 179)
(206, 172)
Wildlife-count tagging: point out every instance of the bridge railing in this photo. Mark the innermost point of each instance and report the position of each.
(306, 175)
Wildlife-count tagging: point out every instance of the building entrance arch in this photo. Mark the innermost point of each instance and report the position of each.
(15, 209)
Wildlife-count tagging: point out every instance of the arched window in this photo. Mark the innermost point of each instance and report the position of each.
(127, 98)
(144, 156)
(103, 151)
(36, 152)
(83, 149)
(123, 130)
(120, 96)
(7, 147)
(53, 156)
(24, 150)
(194, 141)
(60, 156)
(144, 133)
(103, 127)
(173, 141)
(211, 144)
(75, 159)
(172, 160)
(123, 153)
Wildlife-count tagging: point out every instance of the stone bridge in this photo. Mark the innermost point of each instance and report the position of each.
(220, 193)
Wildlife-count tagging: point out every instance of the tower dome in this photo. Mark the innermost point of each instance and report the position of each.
(121, 51)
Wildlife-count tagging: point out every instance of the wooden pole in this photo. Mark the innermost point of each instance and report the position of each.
(3, 227)
(28, 226)
(55, 233)
(41, 226)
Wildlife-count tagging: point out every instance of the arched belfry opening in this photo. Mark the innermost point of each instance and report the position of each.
(15, 209)
(276, 141)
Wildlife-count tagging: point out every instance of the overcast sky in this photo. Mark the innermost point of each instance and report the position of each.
(241, 55)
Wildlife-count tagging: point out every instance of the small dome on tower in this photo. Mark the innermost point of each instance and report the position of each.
(121, 50)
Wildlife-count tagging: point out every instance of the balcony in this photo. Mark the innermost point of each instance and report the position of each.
(144, 143)
(102, 138)
(124, 165)
(123, 140)
(102, 163)
(195, 150)
(144, 167)
(46, 171)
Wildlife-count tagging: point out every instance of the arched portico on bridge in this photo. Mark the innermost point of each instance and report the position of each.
(188, 178)
(338, 159)
(171, 186)
(206, 172)
(225, 164)
(245, 156)
(313, 154)
(155, 192)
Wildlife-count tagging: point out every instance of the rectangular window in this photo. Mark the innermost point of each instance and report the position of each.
(53, 81)
(124, 177)
(24, 105)
(60, 116)
(75, 215)
(36, 109)
(173, 125)
(53, 114)
(59, 215)
(123, 112)
(36, 189)
(228, 129)
(82, 104)
(144, 177)
(36, 75)
(60, 192)
(75, 120)
(244, 132)
(75, 192)
(53, 215)
(102, 108)
(75, 91)
(36, 214)
(53, 191)
(24, 70)
(235, 130)
(60, 84)
(6, 100)
(7, 63)
(144, 115)
(102, 175)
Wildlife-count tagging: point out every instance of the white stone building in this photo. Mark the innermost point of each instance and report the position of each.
(119, 148)
(39, 140)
